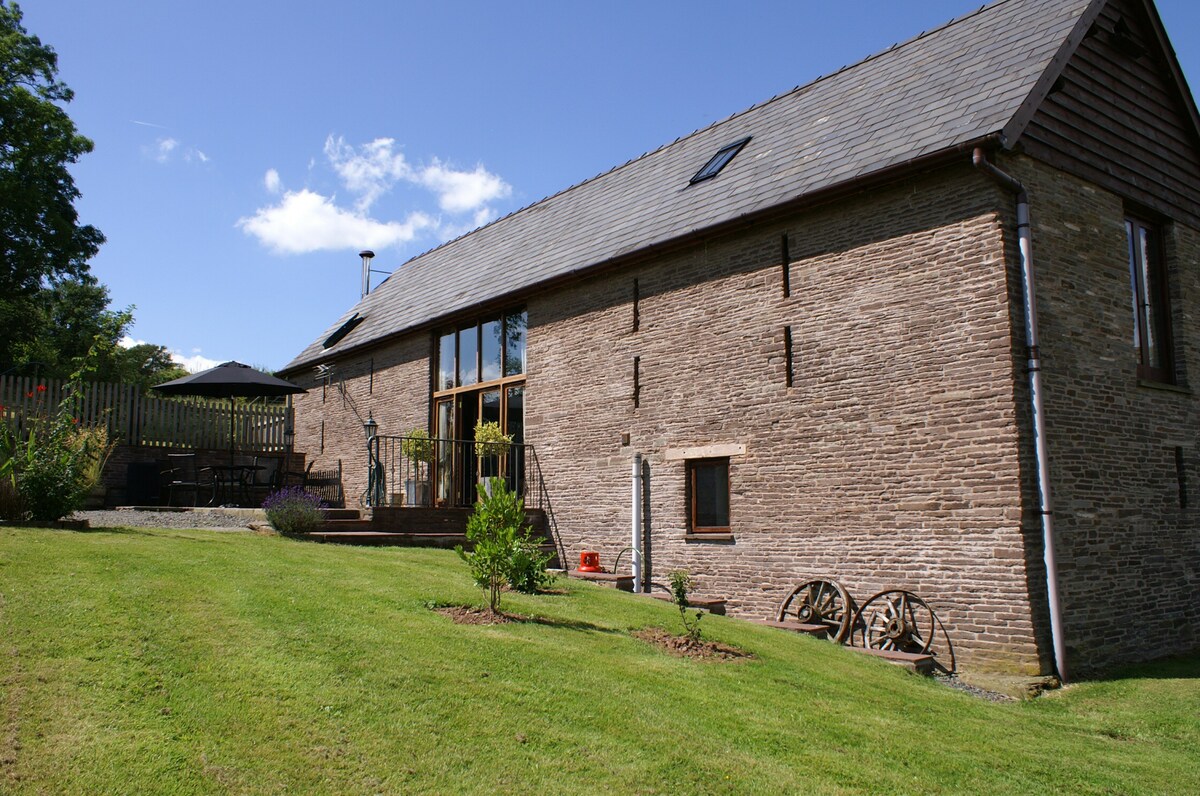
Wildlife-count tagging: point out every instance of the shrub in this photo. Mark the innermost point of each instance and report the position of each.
(681, 586)
(294, 512)
(417, 447)
(490, 441)
(49, 469)
(527, 570)
(503, 551)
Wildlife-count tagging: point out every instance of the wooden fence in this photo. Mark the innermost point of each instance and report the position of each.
(134, 418)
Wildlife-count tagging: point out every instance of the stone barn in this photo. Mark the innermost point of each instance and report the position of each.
(928, 323)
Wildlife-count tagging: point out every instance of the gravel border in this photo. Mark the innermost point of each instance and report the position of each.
(951, 681)
(208, 519)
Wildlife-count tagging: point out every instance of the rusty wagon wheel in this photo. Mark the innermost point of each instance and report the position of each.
(901, 621)
(820, 602)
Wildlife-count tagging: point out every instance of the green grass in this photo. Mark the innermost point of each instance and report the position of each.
(199, 662)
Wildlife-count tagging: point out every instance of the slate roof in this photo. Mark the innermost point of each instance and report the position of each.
(973, 77)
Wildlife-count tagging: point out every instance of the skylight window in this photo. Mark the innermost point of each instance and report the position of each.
(343, 330)
(718, 161)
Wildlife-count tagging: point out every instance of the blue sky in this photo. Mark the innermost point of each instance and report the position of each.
(246, 151)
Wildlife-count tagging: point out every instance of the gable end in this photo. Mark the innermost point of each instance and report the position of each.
(1118, 116)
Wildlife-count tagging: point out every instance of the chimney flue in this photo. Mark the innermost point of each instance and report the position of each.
(366, 255)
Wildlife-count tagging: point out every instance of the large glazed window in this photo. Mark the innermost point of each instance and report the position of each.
(1151, 307)
(492, 350)
(708, 485)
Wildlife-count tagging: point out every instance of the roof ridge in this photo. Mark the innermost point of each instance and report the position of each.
(777, 97)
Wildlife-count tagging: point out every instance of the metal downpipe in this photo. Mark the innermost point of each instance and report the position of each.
(636, 524)
(1033, 368)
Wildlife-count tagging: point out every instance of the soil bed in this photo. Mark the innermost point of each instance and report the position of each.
(469, 615)
(685, 647)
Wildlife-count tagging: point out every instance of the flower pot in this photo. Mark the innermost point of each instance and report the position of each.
(416, 492)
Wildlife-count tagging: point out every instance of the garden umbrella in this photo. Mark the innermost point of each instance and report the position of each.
(230, 380)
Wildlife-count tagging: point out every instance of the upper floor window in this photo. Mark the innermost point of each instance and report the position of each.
(1151, 307)
(482, 352)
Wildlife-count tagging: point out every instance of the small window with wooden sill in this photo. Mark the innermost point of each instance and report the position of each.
(708, 495)
(1151, 302)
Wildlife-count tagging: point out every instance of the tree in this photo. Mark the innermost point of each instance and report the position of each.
(41, 239)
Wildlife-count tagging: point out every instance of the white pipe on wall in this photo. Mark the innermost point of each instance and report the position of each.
(1034, 369)
(636, 524)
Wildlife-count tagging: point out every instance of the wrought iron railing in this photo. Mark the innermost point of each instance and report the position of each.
(419, 472)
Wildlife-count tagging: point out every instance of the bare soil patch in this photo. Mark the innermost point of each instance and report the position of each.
(469, 615)
(685, 647)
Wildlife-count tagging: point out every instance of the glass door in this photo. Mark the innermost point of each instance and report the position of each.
(444, 455)
(459, 470)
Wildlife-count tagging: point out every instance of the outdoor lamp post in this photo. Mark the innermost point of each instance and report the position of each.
(375, 485)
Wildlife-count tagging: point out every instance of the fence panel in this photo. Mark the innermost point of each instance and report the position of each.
(136, 418)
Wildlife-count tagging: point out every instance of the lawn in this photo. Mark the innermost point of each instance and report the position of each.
(136, 661)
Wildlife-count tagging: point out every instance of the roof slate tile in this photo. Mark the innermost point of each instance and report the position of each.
(945, 88)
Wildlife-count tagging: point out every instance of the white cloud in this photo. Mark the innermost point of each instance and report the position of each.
(192, 364)
(462, 191)
(164, 148)
(369, 171)
(305, 221)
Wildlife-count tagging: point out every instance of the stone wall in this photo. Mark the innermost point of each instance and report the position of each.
(892, 462)
(390, 384)
(1128, 549)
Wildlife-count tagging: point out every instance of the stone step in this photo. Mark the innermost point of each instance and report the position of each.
(819, 631)
(389, 539)
(917, 662)
(714, 605)
(622, 582)
(342, 514)
(346, 526)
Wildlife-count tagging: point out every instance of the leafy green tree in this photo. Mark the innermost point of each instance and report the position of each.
(41, 239)
(144, 364)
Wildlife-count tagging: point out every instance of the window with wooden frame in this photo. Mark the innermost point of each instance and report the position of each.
(486, 352)
(1151, 302)
(708, 495)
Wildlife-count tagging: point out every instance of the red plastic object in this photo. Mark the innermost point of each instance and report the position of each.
(589, 561)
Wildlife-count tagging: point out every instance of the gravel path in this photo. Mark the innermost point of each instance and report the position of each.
(212, 519)
(957, 684)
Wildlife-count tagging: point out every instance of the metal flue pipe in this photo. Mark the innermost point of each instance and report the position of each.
(366, 255)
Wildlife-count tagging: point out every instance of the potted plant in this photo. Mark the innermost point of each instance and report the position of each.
(417, 447)
(490, 442)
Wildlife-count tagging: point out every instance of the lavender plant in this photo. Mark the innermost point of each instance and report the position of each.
(294, 512)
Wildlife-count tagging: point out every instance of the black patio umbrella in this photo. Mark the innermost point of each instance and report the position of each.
(230, 380)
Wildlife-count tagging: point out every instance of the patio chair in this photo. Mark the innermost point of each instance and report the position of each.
(181, 476)
(266, 476)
